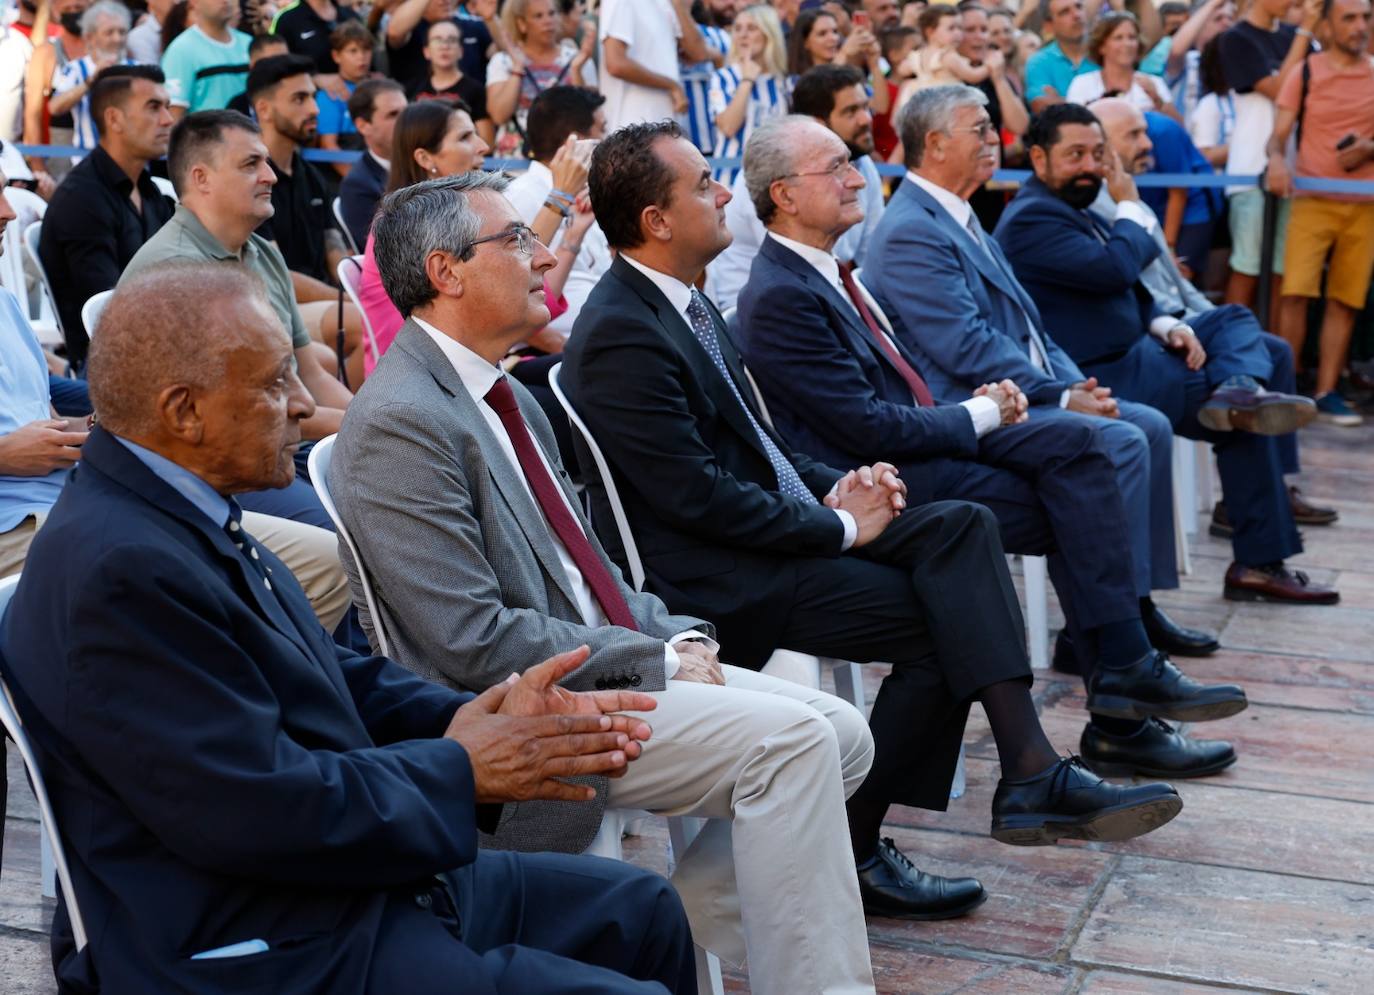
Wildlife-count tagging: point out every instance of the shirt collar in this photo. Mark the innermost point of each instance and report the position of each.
(678, 293)
(205, 241)
(384, 163)
(477, 374)
(955, 206)
(183, 481)
(823, 262)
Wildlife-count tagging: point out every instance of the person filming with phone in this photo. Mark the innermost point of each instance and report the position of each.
(1327, 104)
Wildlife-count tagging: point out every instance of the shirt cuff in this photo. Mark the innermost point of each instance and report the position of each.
(671, 661)
(1133, 210)
(1161, 327)
(985, 413)
(1064, 397)
(851, 528)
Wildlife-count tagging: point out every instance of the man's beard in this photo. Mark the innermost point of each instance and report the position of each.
(857, 152)
(1079, 191)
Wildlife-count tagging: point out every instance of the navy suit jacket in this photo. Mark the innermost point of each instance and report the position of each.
(715, 533)
(359, 193)
(221, 771)
(832, 391)
(1085, 278)
(960, 314)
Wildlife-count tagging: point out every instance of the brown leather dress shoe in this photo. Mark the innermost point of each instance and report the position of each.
(1307, 513)
(1275, 582)
(1234, 407)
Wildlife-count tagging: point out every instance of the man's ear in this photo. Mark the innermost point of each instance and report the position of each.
(1040, 161)
(444, 276)
(178, 411)
(655, 224)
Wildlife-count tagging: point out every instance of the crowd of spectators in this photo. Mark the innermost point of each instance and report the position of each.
(836, 369)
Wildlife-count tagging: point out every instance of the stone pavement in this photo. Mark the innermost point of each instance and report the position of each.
(1264, 883)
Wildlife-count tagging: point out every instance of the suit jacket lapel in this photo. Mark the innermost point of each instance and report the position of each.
(675, 325)
(963, 238)
(509, 479)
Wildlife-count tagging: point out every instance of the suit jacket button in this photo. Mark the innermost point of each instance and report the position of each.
(423, 900)
(601, 684)
(636, 681)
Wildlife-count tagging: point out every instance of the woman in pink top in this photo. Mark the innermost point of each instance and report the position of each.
(436, 138)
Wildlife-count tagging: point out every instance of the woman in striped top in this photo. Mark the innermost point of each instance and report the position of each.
(696, 80)
(752, 87)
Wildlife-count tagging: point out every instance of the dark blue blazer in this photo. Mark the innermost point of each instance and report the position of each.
(221, 771)
(831, 390)
(359, 193)
(1088, 287)
(963, 317)
(1084, 276)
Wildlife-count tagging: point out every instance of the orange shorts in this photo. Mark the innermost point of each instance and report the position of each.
(1343, 229)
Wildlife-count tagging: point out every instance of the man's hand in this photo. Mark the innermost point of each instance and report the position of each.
(996, 63)
(332, 84)
(1278, 179)
(1011, 403)
(874, 495)
(40, 447)
(1120, 184)
(1356, 154)
(1181, 339)
(679, 96)
(537, 692)
(1089, 399)
(697, 663)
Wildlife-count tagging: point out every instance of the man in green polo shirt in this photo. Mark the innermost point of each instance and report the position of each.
(1050, 70)
(220, 169)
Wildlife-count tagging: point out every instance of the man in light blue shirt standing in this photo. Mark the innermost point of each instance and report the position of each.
(1050, 70)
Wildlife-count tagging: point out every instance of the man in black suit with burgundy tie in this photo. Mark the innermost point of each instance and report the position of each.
(781, 551)
(841, 387)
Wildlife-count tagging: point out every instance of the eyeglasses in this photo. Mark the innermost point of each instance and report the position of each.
(984, 129)
(839, 171)
(525, 240)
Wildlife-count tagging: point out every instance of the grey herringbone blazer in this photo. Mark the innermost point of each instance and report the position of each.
(466, 574)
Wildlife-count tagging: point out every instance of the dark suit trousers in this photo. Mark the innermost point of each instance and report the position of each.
(931, 596)
(512, 924)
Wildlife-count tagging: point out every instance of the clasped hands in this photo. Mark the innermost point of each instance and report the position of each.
(527, 734)
(1011, 403)
(874, 495)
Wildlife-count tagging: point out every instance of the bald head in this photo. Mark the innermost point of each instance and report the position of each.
(1124, 127)
(192, 362)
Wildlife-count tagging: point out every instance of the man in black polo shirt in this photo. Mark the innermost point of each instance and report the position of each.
(305, 25)
(108, 206)
(283, 98)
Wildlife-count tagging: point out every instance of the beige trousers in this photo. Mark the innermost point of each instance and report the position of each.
(770, 764)
(311, 553)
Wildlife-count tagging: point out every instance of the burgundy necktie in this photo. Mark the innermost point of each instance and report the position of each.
(550, 498)
(908, 372)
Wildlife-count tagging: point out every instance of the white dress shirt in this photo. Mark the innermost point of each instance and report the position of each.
(982, 410)
(479, 376)
(680, 297)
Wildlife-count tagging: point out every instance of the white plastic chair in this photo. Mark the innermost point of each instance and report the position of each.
(165, 185)
(350, 274)
(31, 234)
(29, 208)
(336, 205)
(52, 839)
(607, 841)
(93, 309)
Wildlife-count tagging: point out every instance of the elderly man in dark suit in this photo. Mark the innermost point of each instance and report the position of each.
(450, 463)
(246, 805)
(1085, 277)
(779, 550)
(954, 302)
(842, 388)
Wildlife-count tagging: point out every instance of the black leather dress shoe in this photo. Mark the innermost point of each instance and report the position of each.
(1167, 635)
(1157, 750)
(894, 888)
(1154, 686)
(1065, 661)
(1068, 801)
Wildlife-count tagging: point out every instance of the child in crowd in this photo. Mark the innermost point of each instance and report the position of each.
(350, 45)
(445, 80)
(938, 62)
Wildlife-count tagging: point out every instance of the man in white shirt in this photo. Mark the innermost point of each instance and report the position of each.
(482, 564)
(841, 388)
(837, 97)
(641, 43)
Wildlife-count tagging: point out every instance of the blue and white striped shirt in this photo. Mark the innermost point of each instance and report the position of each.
(70, 76)
(696, 80)
(768, 99)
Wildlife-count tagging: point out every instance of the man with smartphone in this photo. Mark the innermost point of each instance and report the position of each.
(1328, 105)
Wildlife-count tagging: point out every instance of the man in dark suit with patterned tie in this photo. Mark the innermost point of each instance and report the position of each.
(247, 806)
(839, 386)
(779, 550)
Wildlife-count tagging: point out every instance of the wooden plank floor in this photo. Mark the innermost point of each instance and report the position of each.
(1264, 883)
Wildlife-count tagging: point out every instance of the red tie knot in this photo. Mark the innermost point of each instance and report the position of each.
(501, 397)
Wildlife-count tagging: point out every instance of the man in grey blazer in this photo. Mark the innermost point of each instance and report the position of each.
(447, 475)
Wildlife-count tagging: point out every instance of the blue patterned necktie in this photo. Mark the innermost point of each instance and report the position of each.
(245, 543)
(704, 328)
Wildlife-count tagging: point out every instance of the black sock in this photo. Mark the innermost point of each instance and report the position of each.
(865, 825)
(1022, 746)
(1120, 644)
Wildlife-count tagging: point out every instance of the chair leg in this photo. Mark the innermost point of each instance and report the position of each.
(681, 831)
(47, 865)
(1037, 610)
(960, 783)
(849, 682)
(1185, 501)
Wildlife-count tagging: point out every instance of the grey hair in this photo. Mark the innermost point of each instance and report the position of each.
(932, 110)
(769, 156)
(102, 9)
(173, 325)
(431, 216)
